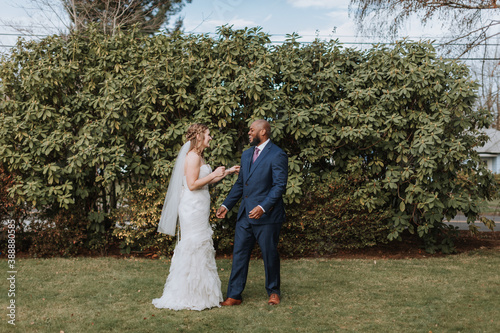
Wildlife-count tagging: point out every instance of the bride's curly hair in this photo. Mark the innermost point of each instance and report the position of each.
(192, 135)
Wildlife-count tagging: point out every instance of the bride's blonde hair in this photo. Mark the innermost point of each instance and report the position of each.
(192, 135)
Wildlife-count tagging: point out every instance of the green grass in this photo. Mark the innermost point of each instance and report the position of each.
(457, 293)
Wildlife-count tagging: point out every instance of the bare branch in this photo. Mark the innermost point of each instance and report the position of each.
(386, 17)
(479, 36)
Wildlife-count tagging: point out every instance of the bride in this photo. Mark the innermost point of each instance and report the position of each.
(193, 282)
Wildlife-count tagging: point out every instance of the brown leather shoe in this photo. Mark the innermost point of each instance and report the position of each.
(231, 301)
(274, 299)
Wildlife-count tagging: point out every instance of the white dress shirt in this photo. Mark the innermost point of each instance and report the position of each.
(262, 146)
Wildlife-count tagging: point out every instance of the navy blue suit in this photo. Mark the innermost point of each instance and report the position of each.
(263, 183)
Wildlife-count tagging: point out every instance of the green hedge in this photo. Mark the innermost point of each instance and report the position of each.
(88, 119)
(329, 217)
(12, 217)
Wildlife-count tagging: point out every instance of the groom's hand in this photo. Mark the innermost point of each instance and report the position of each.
(221, 212)
(256, 213)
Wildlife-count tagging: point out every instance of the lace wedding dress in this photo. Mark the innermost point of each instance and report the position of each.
(193, 282)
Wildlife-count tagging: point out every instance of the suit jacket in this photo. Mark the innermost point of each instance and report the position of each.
(261, 183)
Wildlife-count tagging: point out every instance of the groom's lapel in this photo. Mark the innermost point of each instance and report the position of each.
(248, 166)
(262, 156)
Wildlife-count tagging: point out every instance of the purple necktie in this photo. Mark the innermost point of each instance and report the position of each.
(255, 154)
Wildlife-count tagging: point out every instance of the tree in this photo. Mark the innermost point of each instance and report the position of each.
(149, 15)
(470, 21)
(109, 15)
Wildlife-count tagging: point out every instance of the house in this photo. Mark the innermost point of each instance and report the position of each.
(490, 152)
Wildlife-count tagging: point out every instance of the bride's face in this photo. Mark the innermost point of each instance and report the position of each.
(208, 138)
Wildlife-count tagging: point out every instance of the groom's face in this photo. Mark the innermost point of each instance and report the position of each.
(254, 135)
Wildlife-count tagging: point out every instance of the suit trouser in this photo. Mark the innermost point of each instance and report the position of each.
(245, 236)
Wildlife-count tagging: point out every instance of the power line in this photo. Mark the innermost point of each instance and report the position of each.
(310, 42)
(385, 43)
(300, 42)
(26, 26)
(278, 34)
(482, 59)
(21, 35)
(284, 35)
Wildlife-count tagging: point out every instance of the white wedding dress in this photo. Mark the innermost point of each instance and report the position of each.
(193, 282)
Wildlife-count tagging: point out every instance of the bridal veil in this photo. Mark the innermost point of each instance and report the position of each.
(170, 211)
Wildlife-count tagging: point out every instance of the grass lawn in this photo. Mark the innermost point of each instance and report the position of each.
(458, 293)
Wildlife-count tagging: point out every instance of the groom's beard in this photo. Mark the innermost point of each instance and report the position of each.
(256, 141)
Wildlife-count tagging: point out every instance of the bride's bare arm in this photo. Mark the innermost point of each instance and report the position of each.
(234, 169)
(192, 171)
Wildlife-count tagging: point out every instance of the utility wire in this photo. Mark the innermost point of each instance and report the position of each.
(308, 42)
(300, 42)
(277, 35)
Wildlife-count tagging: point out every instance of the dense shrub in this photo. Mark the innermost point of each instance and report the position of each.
(137, 221)
(410, 127)
(330, 217)
(12, 213)
(7, 203)
(89, 119)
(64, 234)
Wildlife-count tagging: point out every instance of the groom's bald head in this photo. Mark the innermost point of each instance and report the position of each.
(259, 132)
(261, 124)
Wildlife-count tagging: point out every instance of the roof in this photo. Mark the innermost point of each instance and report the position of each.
(493, 145)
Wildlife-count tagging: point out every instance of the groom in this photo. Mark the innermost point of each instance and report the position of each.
(260, 185)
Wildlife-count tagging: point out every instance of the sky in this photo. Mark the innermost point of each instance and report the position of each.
(278, 17)
(325, 19)
(309, 18)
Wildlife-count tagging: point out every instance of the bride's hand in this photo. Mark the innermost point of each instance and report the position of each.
(220, 171)
(234, 169)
